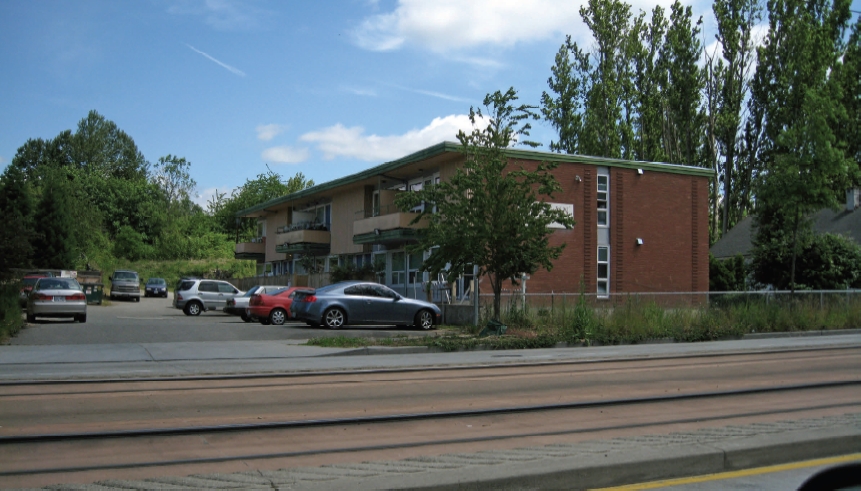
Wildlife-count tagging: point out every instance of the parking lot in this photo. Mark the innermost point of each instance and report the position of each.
(154, 320)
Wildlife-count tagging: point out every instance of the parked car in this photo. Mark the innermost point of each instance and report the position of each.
(125, 284)
(274, 307)
(194, 296)
(27, 283)
(239, 305)
(155, 287)
(356, 302)
(57, 297)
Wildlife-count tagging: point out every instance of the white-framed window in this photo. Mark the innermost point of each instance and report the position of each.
(398, 274)
(603, 271)
(603, 200)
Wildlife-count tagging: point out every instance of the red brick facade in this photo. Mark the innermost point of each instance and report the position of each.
(667, 211)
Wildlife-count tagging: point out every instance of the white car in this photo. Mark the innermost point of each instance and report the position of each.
(57, 297)
(239, 305)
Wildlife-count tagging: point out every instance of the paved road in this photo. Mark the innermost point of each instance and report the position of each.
(155, 320)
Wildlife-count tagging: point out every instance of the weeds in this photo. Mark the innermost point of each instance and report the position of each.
(635, 321)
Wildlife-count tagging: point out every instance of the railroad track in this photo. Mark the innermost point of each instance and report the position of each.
(826, 383)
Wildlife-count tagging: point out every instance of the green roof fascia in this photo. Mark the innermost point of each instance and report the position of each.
(394, 235)
(303, 247)
(609, 162)
(433, 151)
(254, 256)
(446, 147)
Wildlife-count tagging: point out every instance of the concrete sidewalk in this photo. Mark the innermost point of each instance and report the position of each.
(581, 465)
(64, 362)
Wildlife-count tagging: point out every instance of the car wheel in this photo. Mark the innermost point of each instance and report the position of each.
(31, 318)
(334, 318)
(245, 317)
(192, 308)
(277, 317)
(424, 319)
(81, 318)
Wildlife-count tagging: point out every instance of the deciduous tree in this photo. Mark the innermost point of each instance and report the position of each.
(491, 213)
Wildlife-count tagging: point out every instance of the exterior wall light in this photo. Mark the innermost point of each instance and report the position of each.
(640, 171)
(639, 241)
(577, 178)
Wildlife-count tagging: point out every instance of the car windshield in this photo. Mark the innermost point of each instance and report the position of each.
(58, 284)
(29, 281)
(125, 276)
(156, 282)
(251, 291)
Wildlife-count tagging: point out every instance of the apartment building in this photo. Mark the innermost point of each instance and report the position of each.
(641, 226)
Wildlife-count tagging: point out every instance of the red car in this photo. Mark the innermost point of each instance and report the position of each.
(275, 308)
(27, 286)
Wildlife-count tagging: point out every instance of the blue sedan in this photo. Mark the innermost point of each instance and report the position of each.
(357, 302)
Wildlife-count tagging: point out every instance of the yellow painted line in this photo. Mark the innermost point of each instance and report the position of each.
(734, 474)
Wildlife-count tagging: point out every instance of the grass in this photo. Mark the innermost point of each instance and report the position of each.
(172, 271)
(633, 322)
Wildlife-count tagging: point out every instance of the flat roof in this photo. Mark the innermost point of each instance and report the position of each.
(452, 147)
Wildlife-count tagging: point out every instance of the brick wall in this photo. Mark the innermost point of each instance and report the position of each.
(669, 212)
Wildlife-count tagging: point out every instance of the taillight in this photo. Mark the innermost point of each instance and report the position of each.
(42, 296)
(256, 300)
(178, 295)
(309, 299)
(76, 296)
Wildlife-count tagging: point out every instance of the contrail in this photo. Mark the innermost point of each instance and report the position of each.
(225, 65)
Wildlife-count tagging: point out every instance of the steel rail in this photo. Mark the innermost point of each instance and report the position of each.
(413, 444)
(391, 418)
(425, 368)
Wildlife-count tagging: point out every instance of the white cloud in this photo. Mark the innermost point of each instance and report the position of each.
(445, 25)
(285, 155)
(225, 65)
(361, 91)
(206, 195)
(267, 132)
(340, 141)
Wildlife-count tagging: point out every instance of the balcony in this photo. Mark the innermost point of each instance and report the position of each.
(255, 250)
(304, 238)
(386, 228)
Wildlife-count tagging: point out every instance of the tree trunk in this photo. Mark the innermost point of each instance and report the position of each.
(794, 253)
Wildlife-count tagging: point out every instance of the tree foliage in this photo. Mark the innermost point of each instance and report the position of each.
(490, 213)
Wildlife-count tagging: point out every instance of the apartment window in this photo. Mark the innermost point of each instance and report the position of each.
(398, 268)
(603, 271)
(603, 200)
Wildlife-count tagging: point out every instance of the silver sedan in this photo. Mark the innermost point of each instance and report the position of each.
(57, 297)
(354, 302)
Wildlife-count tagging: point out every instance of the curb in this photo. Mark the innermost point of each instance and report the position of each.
(635, 465)
(408, 350)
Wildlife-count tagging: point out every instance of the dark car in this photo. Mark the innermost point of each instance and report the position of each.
(273, 307)
(155, 287)
(356, 302)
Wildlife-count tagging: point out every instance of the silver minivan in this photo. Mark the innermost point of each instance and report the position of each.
(194, 296)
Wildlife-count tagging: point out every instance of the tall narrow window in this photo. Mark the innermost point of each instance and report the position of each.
(398, 268)
(603, 195)
(603, 271)
(415, 263)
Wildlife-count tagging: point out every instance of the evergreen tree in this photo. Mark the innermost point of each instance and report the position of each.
(54, 243)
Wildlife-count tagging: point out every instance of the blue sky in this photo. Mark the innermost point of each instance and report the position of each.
(325, 88)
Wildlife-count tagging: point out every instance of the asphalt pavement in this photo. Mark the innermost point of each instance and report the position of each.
(576, 466)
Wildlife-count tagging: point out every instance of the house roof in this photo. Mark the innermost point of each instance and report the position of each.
(739, 239)
(451, 147)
